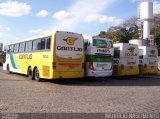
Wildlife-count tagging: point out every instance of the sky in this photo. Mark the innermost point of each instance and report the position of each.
(21, 19)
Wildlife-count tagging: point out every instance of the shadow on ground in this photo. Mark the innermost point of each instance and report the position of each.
(111, 81)
(145, 80)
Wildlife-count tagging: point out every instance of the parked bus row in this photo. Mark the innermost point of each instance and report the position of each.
(67, 55)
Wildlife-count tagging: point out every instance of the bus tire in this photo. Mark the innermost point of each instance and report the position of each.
(159, 63)
(36, 75)
(8, 69)
(30, 73)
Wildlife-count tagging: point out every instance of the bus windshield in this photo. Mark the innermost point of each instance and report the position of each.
(102, 43)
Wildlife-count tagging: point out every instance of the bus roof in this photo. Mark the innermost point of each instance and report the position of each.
(122, 44)
(40, 36)
(102, 38)
(96, 37)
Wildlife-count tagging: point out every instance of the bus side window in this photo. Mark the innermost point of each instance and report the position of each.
(28, 47)
(37, 45)
(48, 44)
(16, 48)
(21, 47)
(43, 44)
(34, 45)
(11, 48)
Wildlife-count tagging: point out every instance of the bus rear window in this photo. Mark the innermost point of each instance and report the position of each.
(141, 53)
(102, 43)
(116, 53)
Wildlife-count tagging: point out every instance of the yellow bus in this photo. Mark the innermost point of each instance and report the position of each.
(53, 56)
(126, 59)
(2, 57)
(148, 62)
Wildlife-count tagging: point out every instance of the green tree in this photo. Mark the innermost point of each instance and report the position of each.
(122, 33)
(129, 30)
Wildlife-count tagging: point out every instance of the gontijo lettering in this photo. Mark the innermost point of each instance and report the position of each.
(69, 48)
(25, 56)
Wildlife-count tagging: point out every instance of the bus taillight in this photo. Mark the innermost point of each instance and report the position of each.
(112, 65)
(54, 65)
(90, 66)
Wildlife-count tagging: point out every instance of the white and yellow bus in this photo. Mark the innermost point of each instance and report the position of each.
(53, 56)
(148, 60)
(99, 57)
(126, 59)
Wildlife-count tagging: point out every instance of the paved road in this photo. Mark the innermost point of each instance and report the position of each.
(132, 94)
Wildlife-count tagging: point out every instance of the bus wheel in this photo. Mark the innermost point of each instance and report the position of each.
(159, 63)
(8, 70)
(36, 75)
(30, 74)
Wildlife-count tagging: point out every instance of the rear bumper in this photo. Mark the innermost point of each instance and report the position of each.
(65, 75)
(125, 71)
(148, 69)
(99, 73)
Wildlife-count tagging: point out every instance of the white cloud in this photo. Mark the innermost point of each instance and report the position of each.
(103, 19)
(156, 7)
(110, 19)
(75, 16)
(92, 17)
(43, 13)
(14, 8)
(61, 15)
